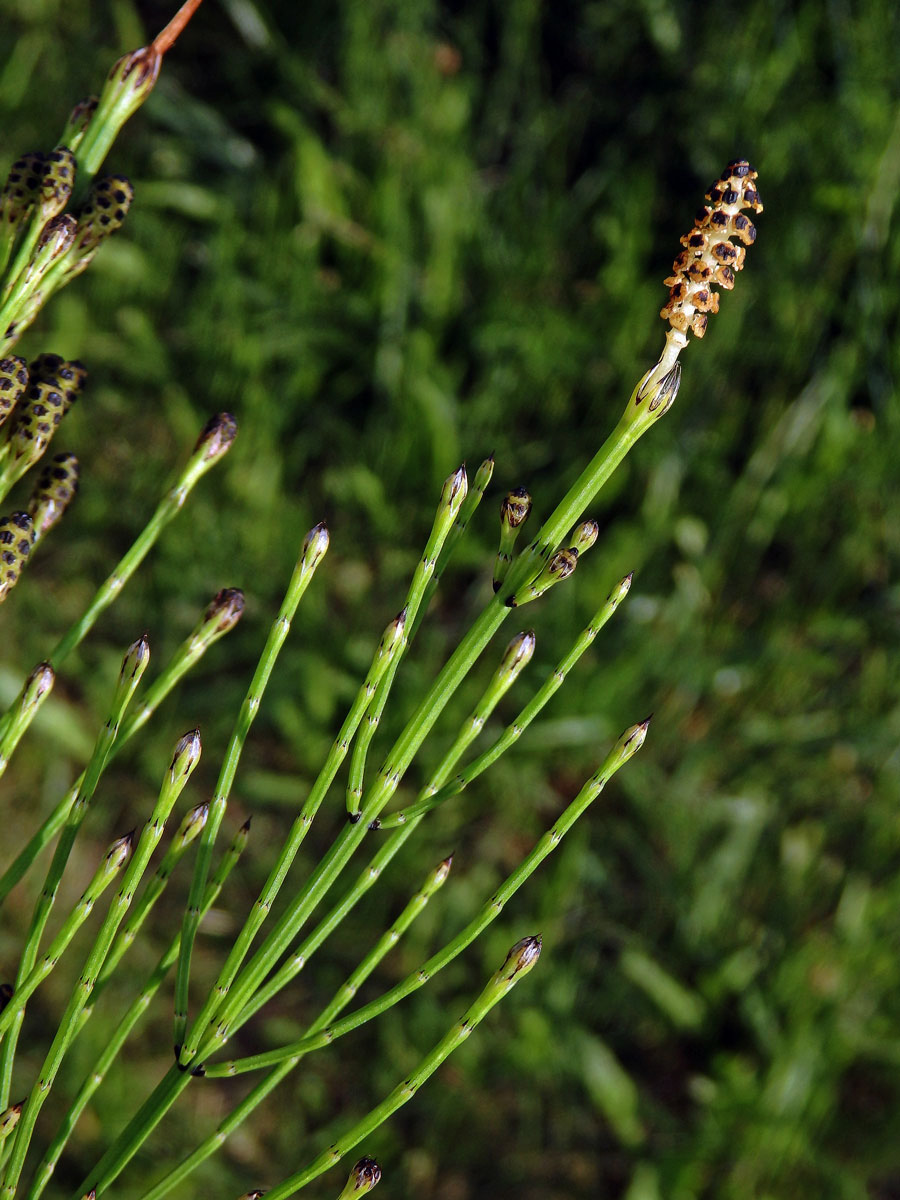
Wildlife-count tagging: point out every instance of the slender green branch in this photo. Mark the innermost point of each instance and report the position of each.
(627, 745)
(115, 859)
(650, 399)
(517, 964)
(184, 761)
(128, 1022)
(453, 496)
(133, 667)
(102, 878)
(215, 440)
(136, 1132)
(515, 658)
(339, 1001)
(336, 858)
(435, 796)
(345, 993)
(314, 548)
(190, 828)
(387, 648)
(474, 496)
(220, 616)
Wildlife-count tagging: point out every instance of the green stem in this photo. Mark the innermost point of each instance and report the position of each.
(387, 648)
(190, 828)
(434, 797)
(516, 656)
(133, 667)
(473, 498)
(136, 1132)
(518, 963)
(221, 615)
(315, 546)
(101, 880)
(627, 745)
(453, 495)
(131, 1018)
(114, 860)
(338, 1002)
(650, 399)
(185, 759)
(213, 443)
(379, 793)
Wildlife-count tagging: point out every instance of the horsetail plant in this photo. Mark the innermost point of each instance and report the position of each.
(518, 962)
(43, 247)
(364, 1176)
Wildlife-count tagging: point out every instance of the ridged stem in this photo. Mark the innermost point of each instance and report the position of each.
(387, 648)
(648, 402)
(315, 546)
(133, 667)
(554, 681)
(219, 618)
(339, 1001)
(214, 441)
(627, 745)
(184, 760)
(347, 841)
(120, 1034)
(518, 963)
(453, 495)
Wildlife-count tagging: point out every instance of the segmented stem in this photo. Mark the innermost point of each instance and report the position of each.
(518, 963)
(387, 648)
(214, 441)
(648, 402)
(315, 546)
(434, 797)
(102, 878)
(131, 1018)
(452, 496)
(336, 858)
(627, 745)
(221, 615)
(339, 1001)
(474, 496)
(133, 667)
(516, 656)
(21, 1138)
(184, 760)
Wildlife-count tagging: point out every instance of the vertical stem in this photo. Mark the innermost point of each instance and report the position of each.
(314, 548)
(119, 1036)
(133, 667)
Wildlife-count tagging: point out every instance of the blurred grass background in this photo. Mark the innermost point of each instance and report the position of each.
(396, 234)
